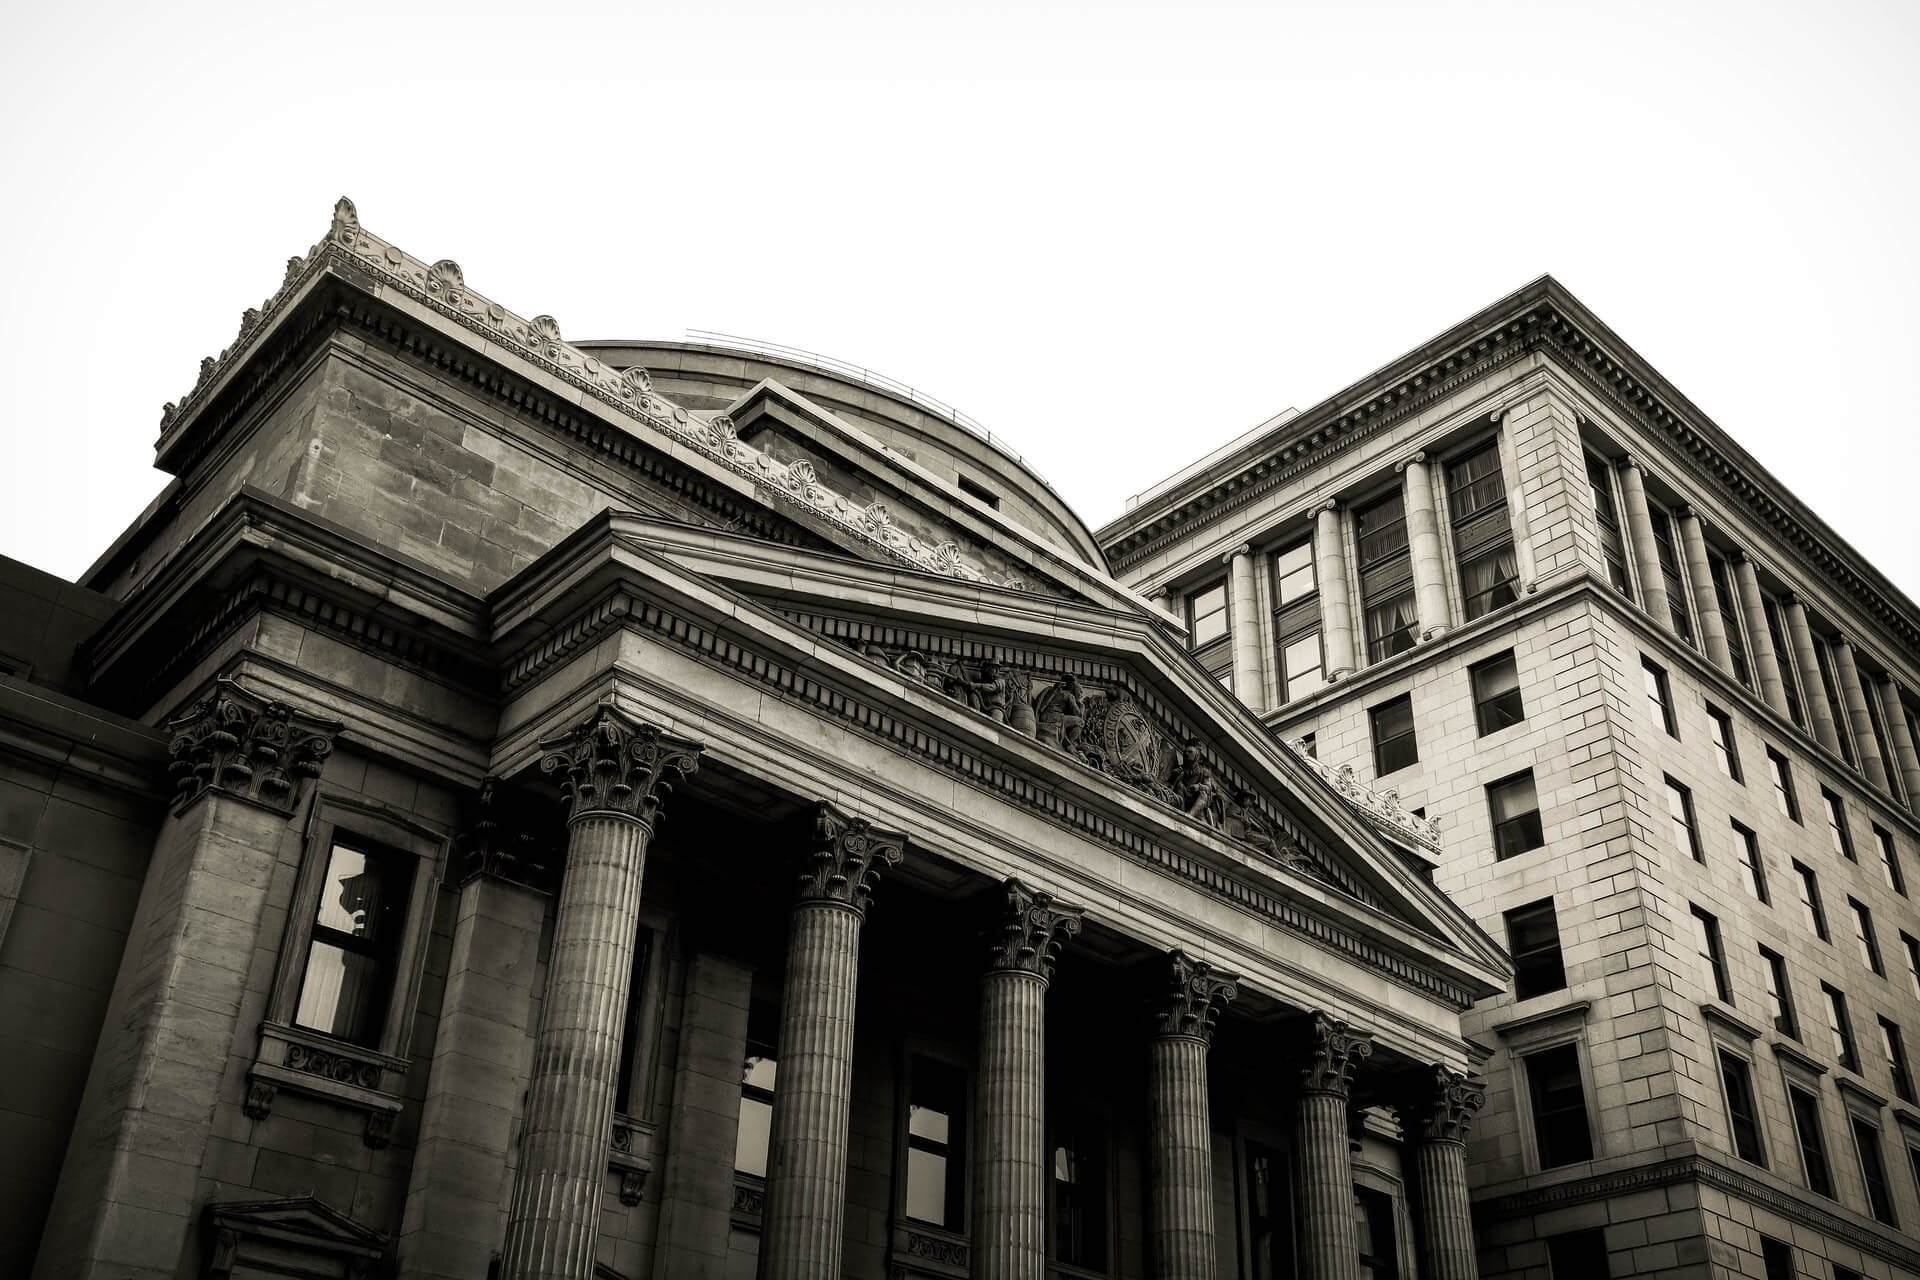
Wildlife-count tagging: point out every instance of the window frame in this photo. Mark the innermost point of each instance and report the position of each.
(1780, 776)
(1845, 1046)
(1911, 945)
(1712, 951)
(1890, 870)
(1726, 1054)
(1099, 1120)
(1383, 763)
(1839, 834)
(1614, 553)
(1673, 573)
(1659, 695)
(1812, 910)
(1536, 1155)
(1777, 981)
(958, 1172)
(1864, 935)
(1726, 748)
(1882, 1207)
(1482, 704)
(1498, 826)
(1812, 1144)
(1523, 957)
(1746, 847)
(1720, 583)
(1686, 820)
(1793, 690)
(1893, 1045)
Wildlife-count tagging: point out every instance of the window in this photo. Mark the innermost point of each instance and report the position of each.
(1789, 668)
(1863, 935)
(1686, 836)
(936, 1164)
(1873, 1170)
(1207, 613)
(1781, 774)
(1895, 1050)
(1840, 1027)
(1743, 1117)
(1889, 861)
(1578, 1255)
(1726, 753)
(1560, 1131)
(1779, 994)
(1296, 622)
(978, 492)
(1386, 577)
(630, 1084)
(1496, 694)
(1269, 1192)
(1666, 550)
(1080, 1198)
(1810, 901)
(757, 1077)
(1837, 834)
(352, 950)
(1823, 657)
(1394, 747)
(1293, 578)
(1658, 697)
(1533, 940)
(1746, 848)
(1482, 534)
(1613, 547)
(1878, 726)
(1777, 1255)
(1706, 933)
(1516, 815)
(1813, 1145)
(1911, 946)
(1729, 607)
(1373, 1234)
(1302, 666)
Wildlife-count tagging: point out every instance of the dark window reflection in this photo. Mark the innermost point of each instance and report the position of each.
(350, 960)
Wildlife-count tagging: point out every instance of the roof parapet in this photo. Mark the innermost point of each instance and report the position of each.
(1382, 809)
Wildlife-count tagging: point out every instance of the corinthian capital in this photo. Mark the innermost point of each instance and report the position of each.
(1033, 929)
(1196, 992)
(1335, 1051)
(614, 764)
(1439, 1104)
(846, 858)
(243, 744)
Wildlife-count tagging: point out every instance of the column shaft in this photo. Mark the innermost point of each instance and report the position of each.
(1646, 553)
(1182, 1159)
(1713, 624)
(1423, 548)
(1813, 681)
(1766, 662)
(807, 1155)
(1326, 1188)
(1249, 684)
(1446, 1213)
(1009, 1166)
(1906, 759)
(1853, 700)
(1517, 506)
(1336, 603)
(555, 1220)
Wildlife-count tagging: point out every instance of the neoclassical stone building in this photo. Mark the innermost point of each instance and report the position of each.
(1665, 719)
(531, 808)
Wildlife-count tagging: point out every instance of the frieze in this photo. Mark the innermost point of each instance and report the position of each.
(331, 1065)
(246, 745)
(953, 1253)
(629, 392)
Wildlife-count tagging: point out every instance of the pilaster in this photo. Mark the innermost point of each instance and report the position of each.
(1853, 700)
(1766, 661)
(1646, 553)
(1813, 682)
(1423, 547)
(1249, 683)
(1713, 624)
(1336, 602)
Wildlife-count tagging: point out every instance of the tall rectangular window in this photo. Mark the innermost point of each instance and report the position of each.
(634, 1030)
(1706, 935)
(1780, 773)
(1533, 940)
(1080, 1187)
(1863, 935)
(1810, 909)
(353, 948)
(1777, 1257)
(1208, 619)
(1394, 745)
(1889, 861)
(1659, 696)
(1873, 1169)
(1726, 752)
(1482, 534)
(1516, 816)
(1578, 1255)
(936, 1129)
(1840, 1028)
(1373, 1234)
(1746, 847)
(1667, 549)
(1895, 1049)
(1613, 547)
(1811, 1141)
(1686, 836)
(758, 1077)
(1911, 946)
(1296, 622)
(1743, 1117)
(1839, 838)
(1779, 994)
(1829, 676)
(1386, 577)
(1728, 606)
(1496, 694)
(1789, 668)
(1560, 1130)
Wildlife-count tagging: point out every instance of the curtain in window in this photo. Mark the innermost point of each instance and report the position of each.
(1489, 581)
(1389, 616)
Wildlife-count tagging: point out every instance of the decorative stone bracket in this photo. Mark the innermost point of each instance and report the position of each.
(362, 1079)
(630, 1155)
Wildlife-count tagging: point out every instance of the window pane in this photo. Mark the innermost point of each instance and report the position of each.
(1210, 613)
(343, 993)
(750, 1143)
(1300, 660)
(1381, 529)
(1559, 1107)
(1293, 568)
(1806, 1130)
(927, 1187)
(1490, 581)
(352, 899)
(1742, 1117)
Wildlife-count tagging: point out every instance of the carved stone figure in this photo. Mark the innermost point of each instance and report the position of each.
(1020, 716)
(1062, 711)
(1201, 793)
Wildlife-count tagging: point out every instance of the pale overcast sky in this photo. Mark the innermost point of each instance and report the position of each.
(1118, 235)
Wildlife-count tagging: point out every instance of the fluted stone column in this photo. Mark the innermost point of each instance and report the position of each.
(1249, 683)
(1181, 1137)
(1436, 1112)
(1423, 547)
(1853, 700)
(614, 772)
(1813, 682)
(1325, 1162)
(807, 1151)
(1906, 758)
(1646, 552)
(1766, 662)
(1336, 602)
(1519, 521)
(1713, 624)
(1009, 1158)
